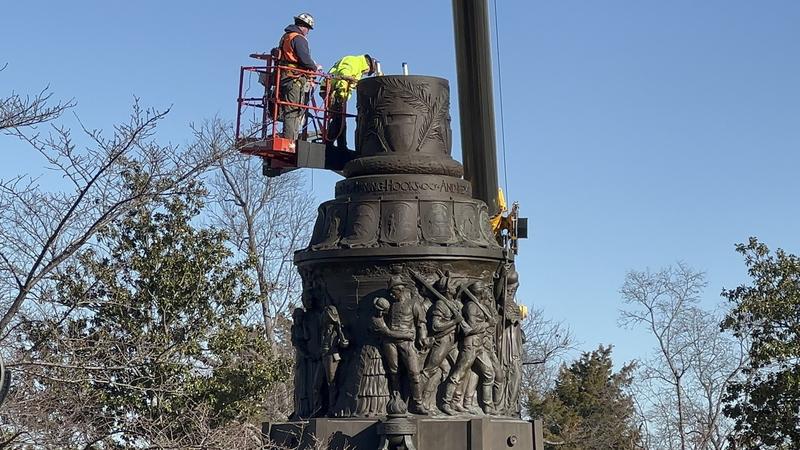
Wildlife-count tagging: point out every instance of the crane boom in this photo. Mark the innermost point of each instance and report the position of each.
(475, 99)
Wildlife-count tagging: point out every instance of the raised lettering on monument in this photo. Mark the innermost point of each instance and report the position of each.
(390, 185)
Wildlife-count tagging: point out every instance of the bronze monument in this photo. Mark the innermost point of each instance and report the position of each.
(409, 299)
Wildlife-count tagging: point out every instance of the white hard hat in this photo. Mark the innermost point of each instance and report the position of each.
(306, 19)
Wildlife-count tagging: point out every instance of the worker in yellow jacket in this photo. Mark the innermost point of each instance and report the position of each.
(346, 72)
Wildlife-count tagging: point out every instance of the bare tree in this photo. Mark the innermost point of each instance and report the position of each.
(17, 110)
(194, 432)
(267, 220)
(682, 384)
(41, 228)
(547, 342)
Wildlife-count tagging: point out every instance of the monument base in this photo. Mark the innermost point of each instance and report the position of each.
(431, 433)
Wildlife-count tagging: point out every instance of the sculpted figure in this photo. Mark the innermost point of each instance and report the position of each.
(465, 400)
(333, 339)
(302, 404)
(446, 324)
(312, 325)
(406, 330)
(440, 221)
(510, 341)
(477, 348)
(373, 391)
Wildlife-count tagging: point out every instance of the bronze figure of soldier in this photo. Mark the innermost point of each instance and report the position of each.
(333, 339)
(405, 329)
(302, 401)
(446, 323)
(313, 301)
(477, 348)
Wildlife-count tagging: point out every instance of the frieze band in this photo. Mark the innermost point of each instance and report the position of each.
(375, 223)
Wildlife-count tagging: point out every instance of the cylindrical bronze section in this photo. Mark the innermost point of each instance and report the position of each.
(475, 101)
(403, 127)
(400, 115)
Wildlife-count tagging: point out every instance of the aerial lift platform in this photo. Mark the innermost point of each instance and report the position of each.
(259, 111)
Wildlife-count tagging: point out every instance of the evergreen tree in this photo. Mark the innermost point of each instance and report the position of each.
(766, 404)
(152, 346)
(588, 407)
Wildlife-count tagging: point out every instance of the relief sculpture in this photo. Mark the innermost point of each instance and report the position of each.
(446, 324)
(436, 222)
(467, 222)
(333, 340)
(373, 390)
(362, 224)
(405, 332)
(399, 222)
(403, 115)
(476, 349)
(444, 342)
(302, 404)
(510, 339)
(307, 340)
(328, 226)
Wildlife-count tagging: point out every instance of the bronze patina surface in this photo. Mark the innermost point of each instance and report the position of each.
(407, 291)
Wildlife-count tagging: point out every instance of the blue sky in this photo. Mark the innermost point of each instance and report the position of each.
(638, 133)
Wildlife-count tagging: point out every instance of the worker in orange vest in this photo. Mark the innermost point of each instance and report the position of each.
(295, 54)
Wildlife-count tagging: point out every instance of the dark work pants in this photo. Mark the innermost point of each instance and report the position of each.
(337, 131)
(292, 90)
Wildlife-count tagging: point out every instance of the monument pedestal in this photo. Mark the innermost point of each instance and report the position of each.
(432, 433)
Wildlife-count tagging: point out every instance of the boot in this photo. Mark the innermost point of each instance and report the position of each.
(394, 382)
(429, 394)
(416, 406)
(462, 405)
(470, 406)
(458, 398)
(499, 399)
(331, 401)
(447, 401)
(488, 404)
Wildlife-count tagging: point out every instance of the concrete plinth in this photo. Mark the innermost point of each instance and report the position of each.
(433, 433)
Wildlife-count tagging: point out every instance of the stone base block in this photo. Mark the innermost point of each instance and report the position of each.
(433, 433)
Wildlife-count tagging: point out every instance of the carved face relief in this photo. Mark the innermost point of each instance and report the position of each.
(320, 226)
(400, 293)
(328, 225)
(483, 223)
(362, 224)
(398, 222)
(467, 221)
(436, 222)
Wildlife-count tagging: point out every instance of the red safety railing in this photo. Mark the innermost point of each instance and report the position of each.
(262, 135)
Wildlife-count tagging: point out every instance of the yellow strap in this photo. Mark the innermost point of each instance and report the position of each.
(496, 220)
